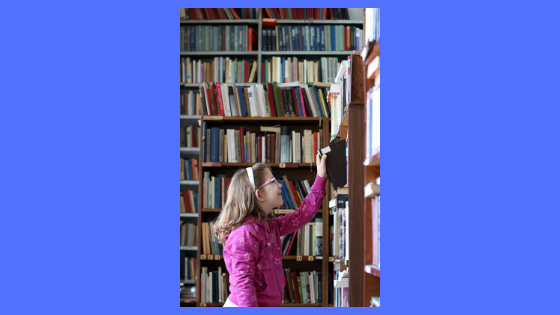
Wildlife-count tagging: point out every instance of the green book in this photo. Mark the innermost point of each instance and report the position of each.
(227, 38)
(199, 46)
(303, 276)
(235, 37)
(288, 284)
(265, 71)
(311, 247)
(327, 37)
(276, 99)
(307, 38)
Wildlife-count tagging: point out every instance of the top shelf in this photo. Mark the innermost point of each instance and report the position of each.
(349, 22)
(242, 21)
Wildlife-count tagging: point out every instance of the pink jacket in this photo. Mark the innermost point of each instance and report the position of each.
(253, 254)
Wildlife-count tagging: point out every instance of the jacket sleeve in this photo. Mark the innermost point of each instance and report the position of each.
(300, 217)
(243, 248)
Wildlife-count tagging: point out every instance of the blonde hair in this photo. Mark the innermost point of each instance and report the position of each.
(241, 202)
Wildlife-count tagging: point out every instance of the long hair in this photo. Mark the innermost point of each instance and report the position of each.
(241, 202)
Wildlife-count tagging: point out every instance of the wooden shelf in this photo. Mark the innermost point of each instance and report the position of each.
(188, 281)
(373, 270)
(190, 152)
(346, 22)
(273, 165)
(211, 304)
(195, 248)
(307, 53)
(219, 53)
(224, 21)
(300, 305)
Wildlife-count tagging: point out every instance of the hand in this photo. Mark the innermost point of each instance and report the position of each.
(321, 165)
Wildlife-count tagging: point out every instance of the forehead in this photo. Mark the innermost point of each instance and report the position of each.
(267, 175)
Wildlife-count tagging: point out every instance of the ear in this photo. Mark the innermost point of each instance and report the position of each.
(259, 196)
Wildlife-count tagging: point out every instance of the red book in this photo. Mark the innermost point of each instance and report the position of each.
(235, 14)
(186, 98)
(302, 102)
(345, 40)
(249, 150)
(315, 142)
(268, 13)
(250, 41)
(207, 14)
(221, 14)
(300, 45)
(294, 278)
(296, 107)
(281, 13)
(273, 147)
(247, 13)
(242, 144)
(259, 158)
(187, 201)
(325, 13)
(271, 99)
(277, 13)
(268, 147)
(331, 11)
(296, 196)
(220, 102)
(246, 78)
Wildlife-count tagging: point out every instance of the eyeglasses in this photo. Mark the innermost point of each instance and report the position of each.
(270, 181)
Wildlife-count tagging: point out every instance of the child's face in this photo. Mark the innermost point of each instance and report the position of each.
(272, 193)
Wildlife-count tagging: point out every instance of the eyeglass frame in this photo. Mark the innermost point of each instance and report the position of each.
(268, 182)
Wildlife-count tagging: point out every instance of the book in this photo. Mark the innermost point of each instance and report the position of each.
(336, 163)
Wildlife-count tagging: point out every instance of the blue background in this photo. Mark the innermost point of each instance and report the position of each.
(89, 132)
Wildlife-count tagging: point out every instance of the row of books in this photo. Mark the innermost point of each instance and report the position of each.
(191, 103)
(219, 70)
(187, 267)
(292, 99)
(293, 192)
(289, 69)
(214, 285)
(210, 244)
(214, 190)
(275, 69)
(218, 38)
(303, 287)
(312, 38)
(373, 129)
(189, 201)
(189, 169)
(188, 234)
(270, 145)
(372, 22)
(309, 239)
(340, 235)
(341, 293)
(218, 14)
(189, 136)
(308, 14)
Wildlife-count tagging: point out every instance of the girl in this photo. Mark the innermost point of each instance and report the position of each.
(251, 234)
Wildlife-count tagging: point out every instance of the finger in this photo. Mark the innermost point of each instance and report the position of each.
(323, 159)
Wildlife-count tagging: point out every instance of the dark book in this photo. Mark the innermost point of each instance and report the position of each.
(273, 39)
(336, 163)
(215, 144)
(331, 285)
(264, 40)
(320, 281)
(242, 102)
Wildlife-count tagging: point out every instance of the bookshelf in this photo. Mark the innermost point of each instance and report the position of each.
(292, 170)
(298, 171)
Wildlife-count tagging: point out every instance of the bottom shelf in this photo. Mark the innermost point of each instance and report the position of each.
(301, 305)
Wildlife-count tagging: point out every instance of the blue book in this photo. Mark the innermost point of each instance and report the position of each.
(283, 194)
(293, 32)
(297, 38)
(333, 38)
(272, 13)
(215, 144)
(242, 101)
(289, 204)
(303, 38)
(322, 27)
(217, 192)
(196, 202)
(317, 38)
(299, 102)
(312, 37)
(215, 38)
(318, 102)
(192, 38)
(188, 168)
(204, 157)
